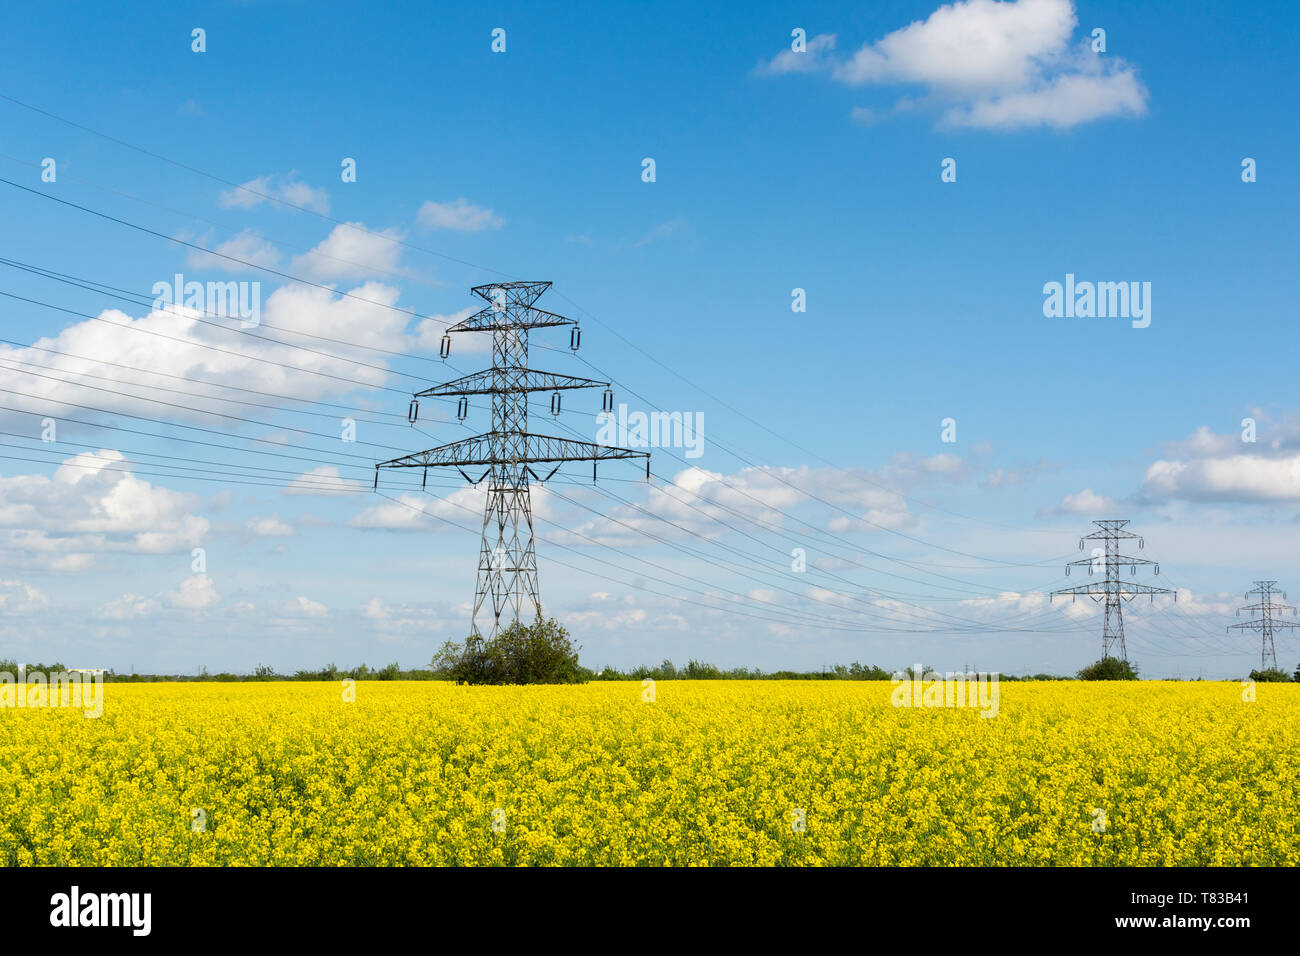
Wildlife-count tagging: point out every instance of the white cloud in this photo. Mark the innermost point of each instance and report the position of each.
(811, 60)
(977, 46)
(323, 480)
(1232, 478)
(1221, 605)
(129, 607)
(874, 519)
(351, 251)
(1205, 444)
(304, 607)
(19, 598)
(604, 612)
(404, 514)
(289, 189)
(122, 351)
(1062, 102)
(986, 64)
(1086, 502)
(93, 504)
(1009, 601)
(247, 246)
(429, 333)
(460, 215)
(702, 503)
(269, 527)
(400, 624)
(300, 194)
(194, 594)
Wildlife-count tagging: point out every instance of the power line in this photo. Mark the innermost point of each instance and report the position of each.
(406, 244)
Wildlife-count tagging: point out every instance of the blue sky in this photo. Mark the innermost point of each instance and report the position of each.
(774, 171)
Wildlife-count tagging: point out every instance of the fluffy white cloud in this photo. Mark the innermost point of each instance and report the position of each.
(1086, 502)
(304, 607)
(1204, 444)
(179, 346)
(129, 607)
(93, 504)
(269, 527)
(701, 503)
(19, 598)
(460, 506)
(977, 46)
(1009, 601)
(195, 593)
(289, 189)
(351, 251)
(1221, 605)
(993, 65)
(406, 623)
(429, 333)
(247, 246)
(810, 60)
(1233, 478)
(1062, 102)
(604, 612)
(460, 215)
(324, 480)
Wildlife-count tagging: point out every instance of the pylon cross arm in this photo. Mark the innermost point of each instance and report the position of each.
(535, 449)
(487, 382)
(514, 316)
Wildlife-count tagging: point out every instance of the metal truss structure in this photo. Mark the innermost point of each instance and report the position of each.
(1113, 591)
(507, 566)
(1267, 621)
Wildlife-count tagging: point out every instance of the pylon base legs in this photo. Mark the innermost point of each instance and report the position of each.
(507, 565)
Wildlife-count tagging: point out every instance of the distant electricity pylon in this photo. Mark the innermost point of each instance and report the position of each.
(1111, 589)
(1268, 610)
(507, 564)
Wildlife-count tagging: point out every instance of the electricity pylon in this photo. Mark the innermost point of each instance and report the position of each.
(507, 564)
(1265, 623)
(1111, 589)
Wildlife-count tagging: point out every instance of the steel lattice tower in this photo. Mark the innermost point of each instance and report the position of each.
(1111, 589)
(1265, 623)
(507, 564)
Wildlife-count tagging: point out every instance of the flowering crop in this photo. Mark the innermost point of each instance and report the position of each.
(704, 773)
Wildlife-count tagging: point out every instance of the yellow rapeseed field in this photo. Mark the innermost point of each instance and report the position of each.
(709, 773)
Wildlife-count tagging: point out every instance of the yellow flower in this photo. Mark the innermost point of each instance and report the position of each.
(711, 773)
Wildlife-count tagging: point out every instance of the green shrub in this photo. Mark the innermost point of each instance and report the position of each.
(1272, 675)
(537, 653)
(1109, 668)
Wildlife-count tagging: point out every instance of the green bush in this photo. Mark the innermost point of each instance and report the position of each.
(537, 653)
(1273, 675)
(1109, 668)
